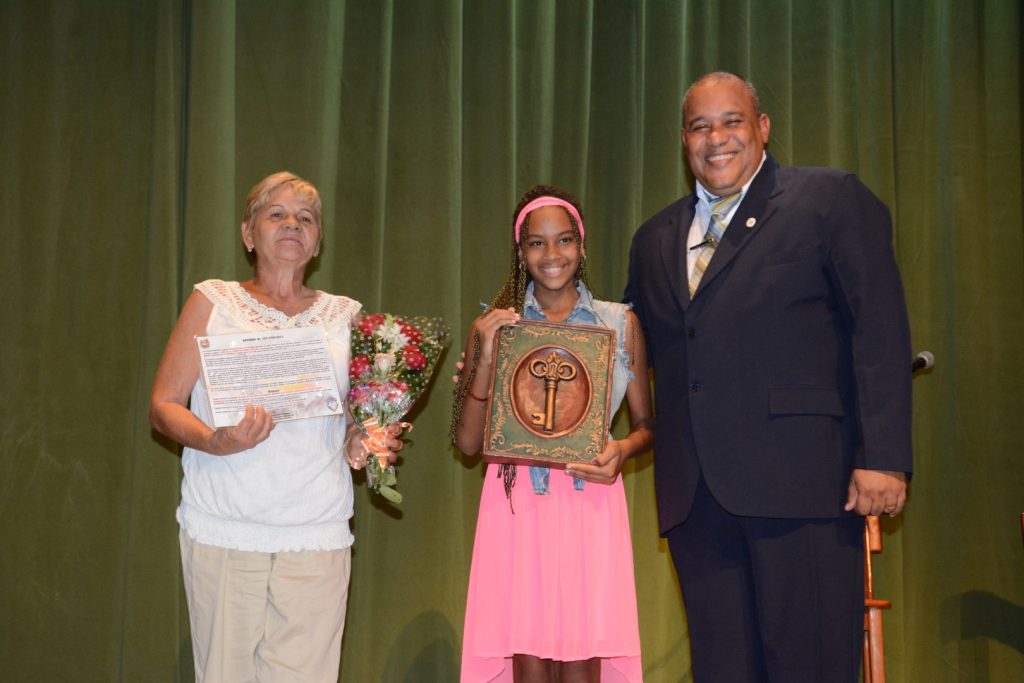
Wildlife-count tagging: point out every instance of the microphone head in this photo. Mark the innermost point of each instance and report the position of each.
(924, 360)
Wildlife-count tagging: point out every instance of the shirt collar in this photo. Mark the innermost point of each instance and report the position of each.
(585, 302)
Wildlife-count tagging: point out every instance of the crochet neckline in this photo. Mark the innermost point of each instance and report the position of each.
(326, 310)
(252, 302)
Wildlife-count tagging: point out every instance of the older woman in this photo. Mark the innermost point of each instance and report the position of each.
(265, 539)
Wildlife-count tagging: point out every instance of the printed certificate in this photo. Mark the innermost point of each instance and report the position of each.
(288, 372)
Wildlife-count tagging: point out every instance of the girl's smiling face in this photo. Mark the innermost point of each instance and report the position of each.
(550, 251)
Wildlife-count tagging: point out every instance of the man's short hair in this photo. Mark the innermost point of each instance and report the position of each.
(723, 76)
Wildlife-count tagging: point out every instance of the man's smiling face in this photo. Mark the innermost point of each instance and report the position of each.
(723, 134)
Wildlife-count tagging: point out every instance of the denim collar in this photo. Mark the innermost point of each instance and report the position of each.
(533, 311)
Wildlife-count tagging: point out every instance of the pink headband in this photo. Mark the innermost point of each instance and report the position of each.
(548, 201)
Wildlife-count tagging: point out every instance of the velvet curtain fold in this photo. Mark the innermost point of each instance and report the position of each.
(130, 132)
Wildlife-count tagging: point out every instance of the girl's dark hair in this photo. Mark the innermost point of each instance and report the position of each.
(512, 295)
(513, 292)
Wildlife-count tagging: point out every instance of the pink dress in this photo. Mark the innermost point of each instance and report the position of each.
(555, 579)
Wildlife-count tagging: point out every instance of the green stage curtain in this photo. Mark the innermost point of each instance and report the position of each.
(131, 130)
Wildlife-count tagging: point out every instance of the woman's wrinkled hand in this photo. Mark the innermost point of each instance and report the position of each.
(386, 439)
(254, 427)
(391, 438)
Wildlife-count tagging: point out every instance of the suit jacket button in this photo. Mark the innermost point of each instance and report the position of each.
(695, 387)
(692, 332)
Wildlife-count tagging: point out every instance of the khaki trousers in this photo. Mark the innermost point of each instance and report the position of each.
(265, 617)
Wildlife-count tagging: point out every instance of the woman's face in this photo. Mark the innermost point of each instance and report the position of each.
(550, 251)
(285, 230)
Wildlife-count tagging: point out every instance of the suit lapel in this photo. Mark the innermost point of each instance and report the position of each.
(751, 215)
(673, 250)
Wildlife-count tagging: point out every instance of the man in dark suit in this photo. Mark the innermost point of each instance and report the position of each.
(780, 348)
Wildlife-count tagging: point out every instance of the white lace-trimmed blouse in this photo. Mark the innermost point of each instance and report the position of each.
(293, 491)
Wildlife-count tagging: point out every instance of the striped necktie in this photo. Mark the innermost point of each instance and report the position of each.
(716, 227)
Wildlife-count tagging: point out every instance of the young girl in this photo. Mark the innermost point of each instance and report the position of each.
(551, 590)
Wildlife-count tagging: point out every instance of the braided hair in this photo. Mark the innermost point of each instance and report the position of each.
(512, 295)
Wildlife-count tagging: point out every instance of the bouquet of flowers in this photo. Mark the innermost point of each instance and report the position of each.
(392, 360)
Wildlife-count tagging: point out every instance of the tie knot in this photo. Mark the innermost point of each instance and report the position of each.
(721, 206)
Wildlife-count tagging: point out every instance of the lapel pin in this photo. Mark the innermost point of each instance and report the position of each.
(751, 221)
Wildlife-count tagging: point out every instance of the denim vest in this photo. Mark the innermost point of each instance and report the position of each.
(588, 311)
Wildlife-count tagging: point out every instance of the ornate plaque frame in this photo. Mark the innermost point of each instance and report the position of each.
(550, 394)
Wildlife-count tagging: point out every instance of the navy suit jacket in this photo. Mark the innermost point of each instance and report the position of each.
(790, 365)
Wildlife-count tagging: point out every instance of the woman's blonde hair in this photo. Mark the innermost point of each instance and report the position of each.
(260, 193)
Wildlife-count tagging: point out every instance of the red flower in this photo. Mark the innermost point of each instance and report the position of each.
(358, 366)
(370, 322)
(414, 358)
(410, 331)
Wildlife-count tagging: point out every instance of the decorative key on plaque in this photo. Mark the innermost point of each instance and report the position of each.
(552, 370)
(549, 394)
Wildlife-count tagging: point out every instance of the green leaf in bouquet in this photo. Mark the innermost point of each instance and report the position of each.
(390, 494)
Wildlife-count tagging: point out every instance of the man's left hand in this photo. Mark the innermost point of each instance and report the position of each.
(876, 492)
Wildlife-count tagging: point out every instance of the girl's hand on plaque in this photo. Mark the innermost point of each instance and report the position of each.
(604, 469)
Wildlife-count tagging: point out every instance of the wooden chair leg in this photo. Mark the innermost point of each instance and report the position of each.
(874, 649)
(866, 656)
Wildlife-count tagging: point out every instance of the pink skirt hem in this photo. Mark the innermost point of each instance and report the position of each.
(554, 580)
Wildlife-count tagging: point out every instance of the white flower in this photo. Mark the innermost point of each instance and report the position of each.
(391, 334)
(383, 362)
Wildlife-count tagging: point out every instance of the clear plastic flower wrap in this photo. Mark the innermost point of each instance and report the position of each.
(392, 361)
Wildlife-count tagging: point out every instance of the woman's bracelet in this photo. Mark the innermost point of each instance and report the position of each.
(469, 392)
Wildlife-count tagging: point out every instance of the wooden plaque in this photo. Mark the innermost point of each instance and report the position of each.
(550, 392)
